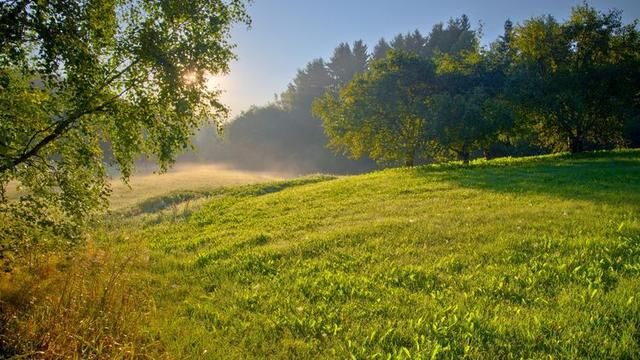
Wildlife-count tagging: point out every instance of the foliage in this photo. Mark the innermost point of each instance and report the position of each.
(469, 111)
(382, 112)
(453, 39)
(75, 74)
(284, 135)
(543, 84)
(347, 62)
(84, 305)
(389, 112)
(577, 81)
(309, 83)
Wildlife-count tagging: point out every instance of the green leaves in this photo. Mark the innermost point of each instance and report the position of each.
(79, 78)
(381, 112)
(571, 79)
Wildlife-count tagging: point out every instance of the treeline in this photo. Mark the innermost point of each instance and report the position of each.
(545, 85)
(284, 135)
(542, 86)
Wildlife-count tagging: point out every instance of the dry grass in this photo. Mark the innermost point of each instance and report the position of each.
(143, 186)
(82, 306)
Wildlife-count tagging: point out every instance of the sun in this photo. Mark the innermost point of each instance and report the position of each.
(212, 82)
(190, 77)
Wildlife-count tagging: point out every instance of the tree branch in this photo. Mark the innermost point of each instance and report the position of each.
(59, 130)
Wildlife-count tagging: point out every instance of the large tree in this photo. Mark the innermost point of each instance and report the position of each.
(575, 82)
(382, 112)
(78, 74)
(469, 111)
(347, 61)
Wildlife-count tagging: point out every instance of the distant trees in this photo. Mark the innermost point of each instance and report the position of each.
(455, 37)
(402, 110)
(346, 62)
(569, 86)
(284, 135)
(309, 83)
(469, 110)
(541, 86)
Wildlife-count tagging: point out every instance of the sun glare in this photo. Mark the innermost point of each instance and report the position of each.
(190, 77)
(214, 82)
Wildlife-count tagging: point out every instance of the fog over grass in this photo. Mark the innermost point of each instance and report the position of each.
(183, 176)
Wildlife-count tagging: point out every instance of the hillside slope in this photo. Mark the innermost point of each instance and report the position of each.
(510, 258)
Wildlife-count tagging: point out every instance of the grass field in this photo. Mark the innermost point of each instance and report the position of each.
(512, 258)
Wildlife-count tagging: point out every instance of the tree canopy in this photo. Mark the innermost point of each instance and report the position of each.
(570, 86)
(381, 112)
(284, 135)
(576, 81)
(78, 74)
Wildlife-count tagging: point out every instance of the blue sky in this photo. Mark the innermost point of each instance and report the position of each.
(286, 34)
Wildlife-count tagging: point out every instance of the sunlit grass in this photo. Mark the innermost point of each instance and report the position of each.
(527, 258)
(512, 258)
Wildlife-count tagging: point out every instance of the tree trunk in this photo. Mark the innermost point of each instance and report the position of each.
(576, 144)
(465, 158)
(485, 153)
(464, 155)
(409, 159)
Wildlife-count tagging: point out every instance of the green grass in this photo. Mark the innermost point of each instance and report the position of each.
(514, 258)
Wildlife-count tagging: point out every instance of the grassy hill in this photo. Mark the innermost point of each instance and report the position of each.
(507, 258)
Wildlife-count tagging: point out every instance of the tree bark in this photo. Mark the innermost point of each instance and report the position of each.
(57, 132)
(576, 144)
(464, 155)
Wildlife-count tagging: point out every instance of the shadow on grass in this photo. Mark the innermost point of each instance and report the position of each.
(607, 177)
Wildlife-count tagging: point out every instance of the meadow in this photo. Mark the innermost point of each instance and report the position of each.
(511, 258)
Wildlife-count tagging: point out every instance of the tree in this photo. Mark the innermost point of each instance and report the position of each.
(468, 121)
(345, 62)
(381, 49)
(573, 80)
(451, 39)
(309, 83)
(75, 74)
(412, 42)
(469, 112)
(284, 135)
(381, 112)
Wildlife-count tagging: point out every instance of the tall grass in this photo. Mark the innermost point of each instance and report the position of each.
(83, 305)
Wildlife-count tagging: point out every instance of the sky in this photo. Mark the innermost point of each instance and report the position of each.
(286, 34)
